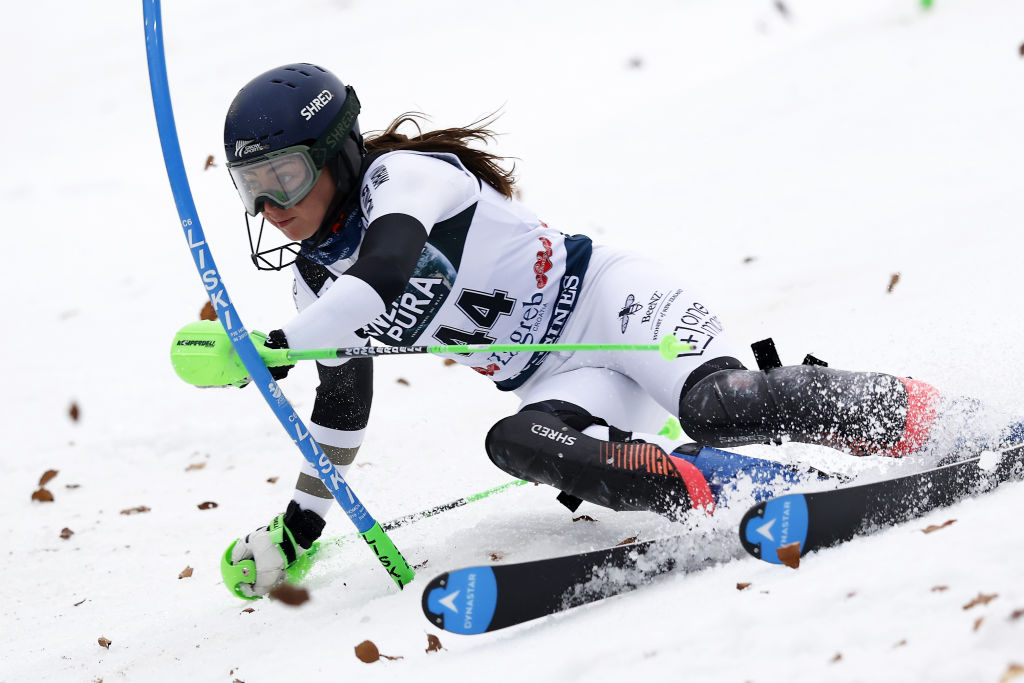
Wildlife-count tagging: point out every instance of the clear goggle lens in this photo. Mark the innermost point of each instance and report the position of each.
(283, 178)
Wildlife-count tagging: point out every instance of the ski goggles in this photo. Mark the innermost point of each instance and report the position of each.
(283, 178)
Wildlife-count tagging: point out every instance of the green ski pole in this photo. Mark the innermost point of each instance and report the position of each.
(202, 354)
(300, 568)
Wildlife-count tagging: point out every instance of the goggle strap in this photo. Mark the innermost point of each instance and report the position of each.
(330, 143)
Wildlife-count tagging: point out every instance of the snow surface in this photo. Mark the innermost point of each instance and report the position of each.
(788, 163)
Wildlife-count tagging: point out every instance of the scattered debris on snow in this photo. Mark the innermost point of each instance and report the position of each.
(789, 555)
(290, 595)
(981, 599)
(935, 527)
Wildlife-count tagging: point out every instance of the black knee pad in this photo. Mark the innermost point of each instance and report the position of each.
(858, 411)
(539, 446)
(511, 443)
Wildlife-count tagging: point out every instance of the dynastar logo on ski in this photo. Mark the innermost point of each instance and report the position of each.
(462, 601)
(449, 601)
(781, 521)
(824, 518)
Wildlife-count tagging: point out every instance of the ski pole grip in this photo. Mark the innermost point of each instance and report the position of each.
(388, 555)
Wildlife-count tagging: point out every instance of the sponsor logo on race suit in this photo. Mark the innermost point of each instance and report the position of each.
(698, 327)
(543, 262)
(488, 370)
(628, 309)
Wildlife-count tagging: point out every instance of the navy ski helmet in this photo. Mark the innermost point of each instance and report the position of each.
(282, 129)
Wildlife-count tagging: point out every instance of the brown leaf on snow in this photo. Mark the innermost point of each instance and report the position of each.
(66, 533)
(982, 599)
(1013, 671)
(206, 505)
(901, 643)
(134, 510)
(895, 278)
(248, 610)
(838, 657)
(290, 595)
(977, 623)
(209, 162)
(185, 573)
(939, 589)
(48, 475)
(433, 643)
(271, 480)
(42, 495)
(497, 557)
(627, 541)
(195, 466)
(742, 586)
(1017, 614)
(935, 527)
(207, 312)
(449, 362)
(584, 518)
(73, 412)
(789, 555)
(104, 642)
(367, 652)
(403, 381)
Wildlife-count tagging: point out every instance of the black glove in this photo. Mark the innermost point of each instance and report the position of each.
(277, 340)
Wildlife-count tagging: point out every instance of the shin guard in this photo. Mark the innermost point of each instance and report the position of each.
(541, 447)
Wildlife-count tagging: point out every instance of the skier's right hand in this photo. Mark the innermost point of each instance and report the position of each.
(203, 355)
(252, 566)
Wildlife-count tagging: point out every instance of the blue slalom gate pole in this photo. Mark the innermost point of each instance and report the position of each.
(367, 526)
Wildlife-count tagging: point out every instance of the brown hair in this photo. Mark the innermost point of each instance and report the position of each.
(483, 165)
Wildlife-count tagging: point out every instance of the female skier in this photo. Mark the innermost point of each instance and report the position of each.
(418, 240)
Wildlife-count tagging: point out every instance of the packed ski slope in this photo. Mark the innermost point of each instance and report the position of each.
(788, 157)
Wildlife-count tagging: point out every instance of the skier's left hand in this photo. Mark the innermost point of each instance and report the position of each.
(255, 564)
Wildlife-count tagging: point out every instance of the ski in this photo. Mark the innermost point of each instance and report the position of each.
(822, 519)
(487, 598)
